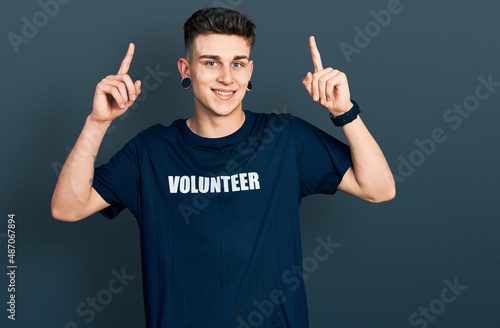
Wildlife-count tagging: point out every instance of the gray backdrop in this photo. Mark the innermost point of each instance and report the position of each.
(430, 257)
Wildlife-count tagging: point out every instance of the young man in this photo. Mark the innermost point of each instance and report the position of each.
(217, 196)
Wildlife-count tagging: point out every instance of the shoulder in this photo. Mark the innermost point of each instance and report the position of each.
(287, 123)
(153, 135)
(153, 130)
(157, 130)
(275, 120)
(274, 113)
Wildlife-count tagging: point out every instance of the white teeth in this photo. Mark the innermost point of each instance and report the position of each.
(224, 93)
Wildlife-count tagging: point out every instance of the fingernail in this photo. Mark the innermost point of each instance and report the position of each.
(328, 99)
(316, 98)
(122, 105)
(133, 97)
(322, 101)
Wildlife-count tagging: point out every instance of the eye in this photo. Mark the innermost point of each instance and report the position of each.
(211, 63)
(238, 65)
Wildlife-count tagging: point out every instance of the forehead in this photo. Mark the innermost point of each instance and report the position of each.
(222, 45)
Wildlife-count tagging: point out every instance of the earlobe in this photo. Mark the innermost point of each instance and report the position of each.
(186, 83)
(183, 67)
(250, 68)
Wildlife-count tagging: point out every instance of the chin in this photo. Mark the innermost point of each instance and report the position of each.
(224, 110)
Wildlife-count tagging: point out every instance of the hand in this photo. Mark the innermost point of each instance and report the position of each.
(328, 87)
(111, 99)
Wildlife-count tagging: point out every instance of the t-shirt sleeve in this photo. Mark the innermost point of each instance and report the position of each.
(118, 180)
(322, 160)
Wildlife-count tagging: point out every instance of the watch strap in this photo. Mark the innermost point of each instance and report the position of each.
(347, 117)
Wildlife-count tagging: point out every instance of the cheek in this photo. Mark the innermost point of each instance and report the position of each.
(201, 80)
(244, 77)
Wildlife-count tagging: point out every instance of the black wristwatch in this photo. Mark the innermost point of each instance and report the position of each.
(347, 117)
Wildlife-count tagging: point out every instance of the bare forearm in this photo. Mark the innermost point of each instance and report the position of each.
(370, 177)
(74, 185)
(371, 170)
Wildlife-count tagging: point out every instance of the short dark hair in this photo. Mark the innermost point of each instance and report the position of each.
(219, 21)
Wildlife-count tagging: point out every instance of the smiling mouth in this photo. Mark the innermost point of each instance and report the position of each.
(223, 93)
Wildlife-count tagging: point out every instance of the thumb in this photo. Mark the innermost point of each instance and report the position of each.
(137, 85)
(307, 82)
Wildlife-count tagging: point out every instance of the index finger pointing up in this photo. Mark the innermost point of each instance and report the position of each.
(127, 60)
(318, 66)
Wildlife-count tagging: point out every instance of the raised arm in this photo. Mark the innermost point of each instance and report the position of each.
(369, 178)
(74, 197)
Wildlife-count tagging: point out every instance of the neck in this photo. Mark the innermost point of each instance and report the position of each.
(215, 126)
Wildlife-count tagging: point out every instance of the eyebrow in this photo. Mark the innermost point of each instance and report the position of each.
(215, 57)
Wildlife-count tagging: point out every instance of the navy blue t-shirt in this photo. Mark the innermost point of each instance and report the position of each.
(219, 218)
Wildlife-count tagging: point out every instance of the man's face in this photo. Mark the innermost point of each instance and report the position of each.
(220, 70)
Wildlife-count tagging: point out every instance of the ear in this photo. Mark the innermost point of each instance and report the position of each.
(183, 66)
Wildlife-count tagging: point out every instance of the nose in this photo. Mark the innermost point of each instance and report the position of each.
(225, 75)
